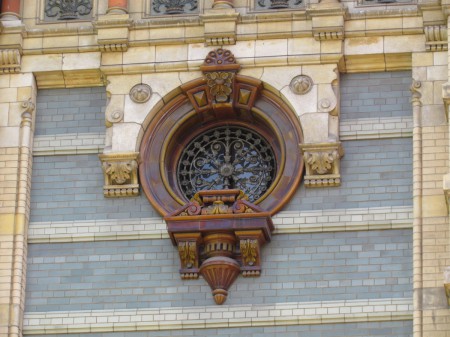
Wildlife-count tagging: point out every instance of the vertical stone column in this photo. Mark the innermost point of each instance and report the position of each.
(117, 7)
(10, 10)
(417, 206)
(431, 222)
(16, 135)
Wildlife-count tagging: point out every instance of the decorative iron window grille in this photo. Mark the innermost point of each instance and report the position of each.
(68, 9)
(278, 4)
(227, 157)
(161, 7)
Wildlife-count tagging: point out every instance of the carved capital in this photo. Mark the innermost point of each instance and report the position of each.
(27, 114)
(9, 61)
(120, 173)
(322, 163)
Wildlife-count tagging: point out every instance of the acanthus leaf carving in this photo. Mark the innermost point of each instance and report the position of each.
(322, 163)
(249, 251)
(120, 173)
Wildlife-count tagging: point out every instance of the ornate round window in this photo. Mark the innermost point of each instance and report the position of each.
(227, 157)
(188, 147)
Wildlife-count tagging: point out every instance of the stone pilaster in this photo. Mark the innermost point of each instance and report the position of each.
(16, 138)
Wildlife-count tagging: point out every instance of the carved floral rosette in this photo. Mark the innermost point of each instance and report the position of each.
(322, 163)
(219, 234)
(120, 174)
(220, 68)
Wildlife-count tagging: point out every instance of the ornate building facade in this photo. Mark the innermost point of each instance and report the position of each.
(224, 167)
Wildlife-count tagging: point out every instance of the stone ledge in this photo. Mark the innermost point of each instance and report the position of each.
(294, 313)
(376, 128)
(69, 144)
(336, 220)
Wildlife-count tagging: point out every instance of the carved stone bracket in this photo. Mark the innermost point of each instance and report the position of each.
(327, 20)
(322, 163)
(220, 26)
(219, 234)
(436, 37)
(113, 32)
(120, 173)
(9, 61)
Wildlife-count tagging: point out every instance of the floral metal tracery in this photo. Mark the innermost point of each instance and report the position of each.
(68, 9)
(174, 6)
(226, 158)
(279, 4)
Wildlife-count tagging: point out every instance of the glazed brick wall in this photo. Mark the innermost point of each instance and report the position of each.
(373, 95)
(77, 110)
(71, 188)
(375, 173)
(144, 273)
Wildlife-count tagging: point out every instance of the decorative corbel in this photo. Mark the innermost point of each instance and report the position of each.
(327, 20)
(220, 24)
(435, 37)
(219, 234)
(120, 174)
(322, 163)
(9, 61)
(113, 32)
(434, 25)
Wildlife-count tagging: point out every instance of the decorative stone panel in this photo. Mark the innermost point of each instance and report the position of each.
(322, 163)
(120, 173)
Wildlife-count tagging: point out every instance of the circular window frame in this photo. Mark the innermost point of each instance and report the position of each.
(170, 130)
